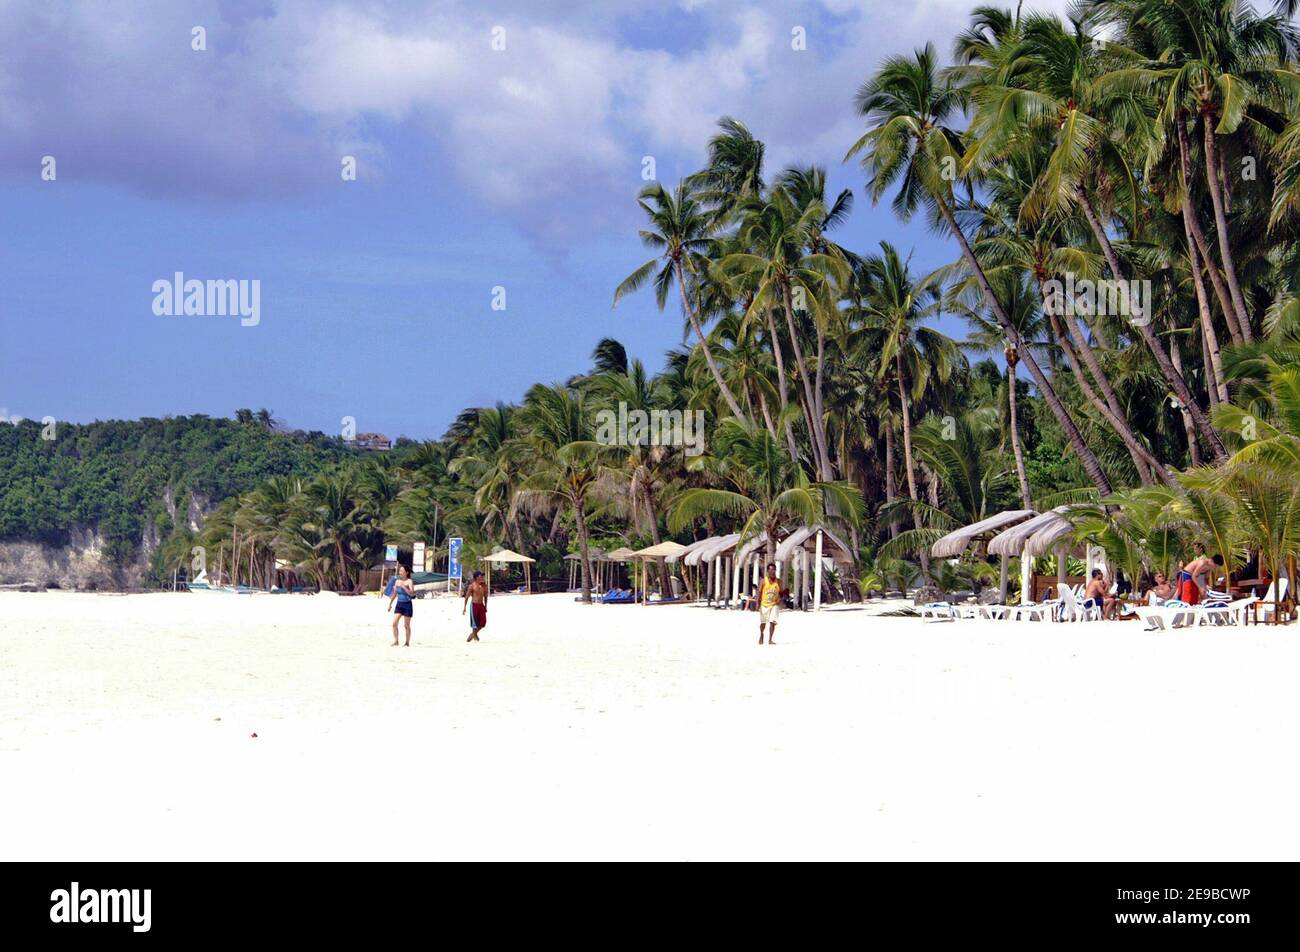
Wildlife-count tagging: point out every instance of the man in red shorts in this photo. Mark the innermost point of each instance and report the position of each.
(476, 594)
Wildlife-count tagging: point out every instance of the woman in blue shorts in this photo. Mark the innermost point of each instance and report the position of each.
(403, 590)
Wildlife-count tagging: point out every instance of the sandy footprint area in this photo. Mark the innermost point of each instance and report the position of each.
(592, 732)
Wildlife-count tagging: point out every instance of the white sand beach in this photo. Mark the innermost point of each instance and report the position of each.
(592, 732)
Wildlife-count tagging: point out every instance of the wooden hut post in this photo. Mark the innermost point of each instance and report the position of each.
(1026, 575)
(1002, 580)
(817, 574)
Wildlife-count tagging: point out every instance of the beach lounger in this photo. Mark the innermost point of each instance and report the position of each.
(1167, 616)
(1073, 608)
(937, 611)
(1221, 612)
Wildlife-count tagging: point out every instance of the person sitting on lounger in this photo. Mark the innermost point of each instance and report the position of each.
(1161, 592)
(1095, 595)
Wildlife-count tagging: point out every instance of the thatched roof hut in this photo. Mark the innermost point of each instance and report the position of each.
(955, 543)
(1037, 536)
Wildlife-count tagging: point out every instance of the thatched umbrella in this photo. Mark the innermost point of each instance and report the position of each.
(1044, 533)
(660, 551)
(954, 543)
(506, 556)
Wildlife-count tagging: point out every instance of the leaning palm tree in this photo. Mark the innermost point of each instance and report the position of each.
(987, 336)
(769, 491)
(907, 106)
(1039, 83)
(680, 230)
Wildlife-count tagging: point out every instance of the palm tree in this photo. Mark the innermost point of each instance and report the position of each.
(776, 264)
(562, 459)
(1215, 61)
(769, 490)
(642, 469)
(680, 229)
(911, 354)
(1038, 80)
(987, 336)
(906, 105)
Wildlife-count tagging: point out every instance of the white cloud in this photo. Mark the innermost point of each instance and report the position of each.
(549, 131)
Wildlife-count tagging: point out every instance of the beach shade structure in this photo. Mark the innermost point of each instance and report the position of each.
(656, 552)
(816, 545)
(696, 591)
(958, 541)
(711, 555)
(506, 557)
(1046, 532)
(597, 556)
(621, 554)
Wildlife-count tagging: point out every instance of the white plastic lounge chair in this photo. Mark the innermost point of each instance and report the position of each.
(1167, 616)
(1267, 611)
(1042, 611)
(1073, 608)
(1219, 612)
(937, 611)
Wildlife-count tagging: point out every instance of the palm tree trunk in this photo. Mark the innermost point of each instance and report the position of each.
(1088, 459)
(819, 406)
(1015, 431)
(1193, 222)
(1242, 330)
(580, 518)
(781, 381)
(708, 354)
(1072, 344)
(648, 500)
(891, 491)
(767, 417)
(1173, 377)
(908, 464)
(1193, 447)
(1218, 390)
(814, 421)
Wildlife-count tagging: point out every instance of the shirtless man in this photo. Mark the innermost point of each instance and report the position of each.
(1095, 594)
(1201, 573)
(478, 592)
(1162, 590)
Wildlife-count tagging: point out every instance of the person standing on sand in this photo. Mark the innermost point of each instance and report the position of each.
(403, 589)
(478, 591)
(770, 593)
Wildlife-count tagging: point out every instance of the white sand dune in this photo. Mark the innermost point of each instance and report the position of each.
(630, 732)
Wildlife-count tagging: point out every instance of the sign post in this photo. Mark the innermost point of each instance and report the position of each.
(417, 558)
(453, 560)
(390, 562)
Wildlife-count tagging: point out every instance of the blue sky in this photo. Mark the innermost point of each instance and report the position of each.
(477, 168)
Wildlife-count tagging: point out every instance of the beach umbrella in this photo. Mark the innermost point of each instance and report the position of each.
(954, 543)
(660, 551)
(506, 556)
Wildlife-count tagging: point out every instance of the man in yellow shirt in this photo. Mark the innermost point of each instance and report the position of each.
(770, 593)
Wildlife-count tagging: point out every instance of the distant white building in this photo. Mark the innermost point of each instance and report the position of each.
(374, 442)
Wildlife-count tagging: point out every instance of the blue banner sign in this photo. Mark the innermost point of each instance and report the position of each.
(453, 557)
